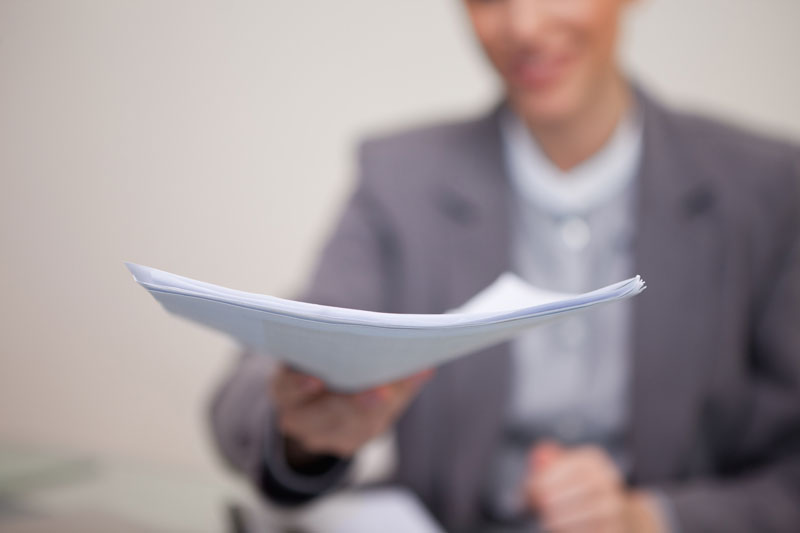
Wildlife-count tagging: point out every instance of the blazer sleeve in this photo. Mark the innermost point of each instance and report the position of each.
(766, 498)
(350, 273)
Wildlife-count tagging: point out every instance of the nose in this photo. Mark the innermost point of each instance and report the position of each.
(526, 19)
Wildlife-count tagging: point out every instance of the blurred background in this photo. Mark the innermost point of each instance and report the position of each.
(215, 140)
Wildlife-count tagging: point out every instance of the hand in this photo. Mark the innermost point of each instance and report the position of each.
(581, 490)
(324, 422)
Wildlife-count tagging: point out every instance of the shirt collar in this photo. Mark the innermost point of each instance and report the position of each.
(606, 174)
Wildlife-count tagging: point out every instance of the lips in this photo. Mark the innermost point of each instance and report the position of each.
(538, 71)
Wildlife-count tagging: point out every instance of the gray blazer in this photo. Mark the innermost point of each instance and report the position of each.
(715, 391)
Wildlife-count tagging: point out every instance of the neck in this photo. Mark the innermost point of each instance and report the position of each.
(570, 142)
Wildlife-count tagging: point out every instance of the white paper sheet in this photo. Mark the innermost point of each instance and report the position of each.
(384, 510)
(353, 349)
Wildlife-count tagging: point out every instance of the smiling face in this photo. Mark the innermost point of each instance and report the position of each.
(555, 57)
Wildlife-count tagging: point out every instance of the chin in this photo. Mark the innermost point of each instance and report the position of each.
(546, 108)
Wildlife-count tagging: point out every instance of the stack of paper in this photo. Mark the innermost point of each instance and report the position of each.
(351, 349)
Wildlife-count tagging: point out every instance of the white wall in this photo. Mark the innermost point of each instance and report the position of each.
(214, 139)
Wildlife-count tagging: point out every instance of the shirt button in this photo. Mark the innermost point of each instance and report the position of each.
(575, 233)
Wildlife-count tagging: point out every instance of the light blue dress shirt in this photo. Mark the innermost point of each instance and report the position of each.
(572, 232)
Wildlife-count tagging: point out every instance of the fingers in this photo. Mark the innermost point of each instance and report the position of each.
(597, 516)
(578, 490)
(336, 424)
(581, 505)
(394, 396)
(324, 425)
(289, 388)
(582, 466)
(404, 390)
(327, 422)
(570, 496)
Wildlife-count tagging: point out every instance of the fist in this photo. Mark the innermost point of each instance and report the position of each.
(581, 490)
(321, 421)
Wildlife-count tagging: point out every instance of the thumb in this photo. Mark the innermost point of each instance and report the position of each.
(544, 455)
(540, 458)
(412, 383)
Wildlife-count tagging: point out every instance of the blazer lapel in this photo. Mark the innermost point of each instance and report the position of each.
(473, 196)
(678, 255)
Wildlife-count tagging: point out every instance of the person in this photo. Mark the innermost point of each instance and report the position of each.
(678, 410)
